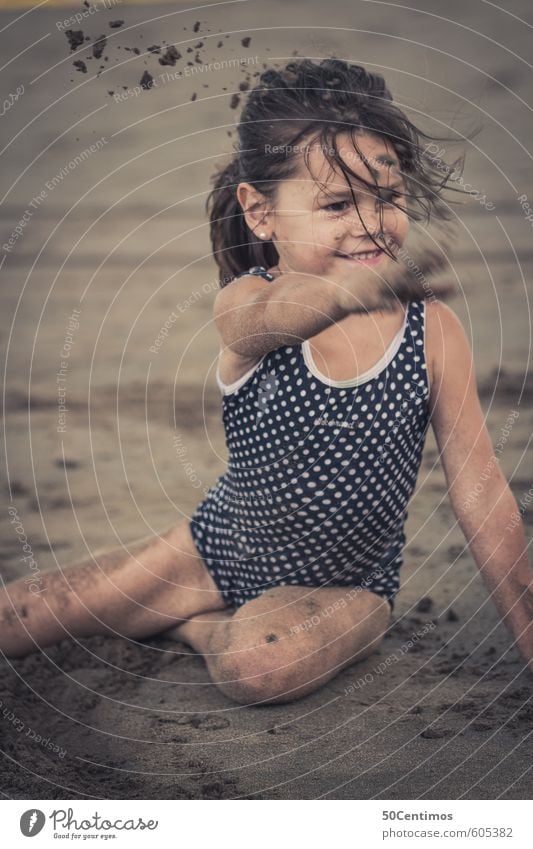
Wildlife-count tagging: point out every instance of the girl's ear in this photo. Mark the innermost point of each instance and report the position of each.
(254, 206)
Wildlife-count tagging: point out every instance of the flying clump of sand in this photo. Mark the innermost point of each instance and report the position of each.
(87, 47)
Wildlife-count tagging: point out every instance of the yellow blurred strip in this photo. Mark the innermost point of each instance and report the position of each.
(72, 4)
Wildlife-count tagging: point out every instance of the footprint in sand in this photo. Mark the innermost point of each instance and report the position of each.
(197, 720)
(430, 733)
(205, 722)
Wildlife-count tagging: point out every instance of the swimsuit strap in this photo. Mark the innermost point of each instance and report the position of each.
(258, 270)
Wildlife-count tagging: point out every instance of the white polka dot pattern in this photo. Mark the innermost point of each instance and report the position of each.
(319, 477)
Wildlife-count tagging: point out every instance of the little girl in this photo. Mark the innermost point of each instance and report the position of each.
(336, 354)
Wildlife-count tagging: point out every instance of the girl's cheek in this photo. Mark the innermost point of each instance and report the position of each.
(397, 223)
(327, 228)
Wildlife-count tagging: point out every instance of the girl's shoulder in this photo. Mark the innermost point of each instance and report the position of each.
(232, 367)
(445, 337)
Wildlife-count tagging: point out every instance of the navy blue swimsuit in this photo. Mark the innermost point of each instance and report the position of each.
(320, 471)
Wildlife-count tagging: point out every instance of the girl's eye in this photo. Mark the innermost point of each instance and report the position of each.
(387, 197)
(330, 206)
(383, 197)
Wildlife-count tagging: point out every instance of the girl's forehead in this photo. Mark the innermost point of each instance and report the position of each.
(371, 158)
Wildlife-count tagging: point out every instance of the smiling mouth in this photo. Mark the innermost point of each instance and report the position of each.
(361, 254)
(368, 255)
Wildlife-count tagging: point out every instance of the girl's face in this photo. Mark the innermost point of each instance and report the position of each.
(311, 229)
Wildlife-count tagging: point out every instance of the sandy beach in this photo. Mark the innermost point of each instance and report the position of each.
(106, 181)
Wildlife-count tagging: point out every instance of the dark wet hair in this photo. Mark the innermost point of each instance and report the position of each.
(306, 103)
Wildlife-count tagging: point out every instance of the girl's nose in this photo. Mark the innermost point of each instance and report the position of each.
(366, 218)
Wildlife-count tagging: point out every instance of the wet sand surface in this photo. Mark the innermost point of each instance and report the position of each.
(122, 238)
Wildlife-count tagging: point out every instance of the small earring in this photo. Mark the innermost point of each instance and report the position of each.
(262, 235)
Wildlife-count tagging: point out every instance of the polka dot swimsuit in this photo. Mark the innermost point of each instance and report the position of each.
(320, 471)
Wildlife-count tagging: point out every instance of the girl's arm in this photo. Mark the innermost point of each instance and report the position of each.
(254, 316)
(482, 501)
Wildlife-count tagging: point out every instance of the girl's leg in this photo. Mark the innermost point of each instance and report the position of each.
(288, 642)
(131, 591)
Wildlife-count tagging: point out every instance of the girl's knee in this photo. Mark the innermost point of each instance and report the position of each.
(253, 676)
(259, 662)
(271, 654)
(269, 666)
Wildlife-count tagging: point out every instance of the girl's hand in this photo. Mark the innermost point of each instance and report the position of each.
(415, 275)
(412, 276)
